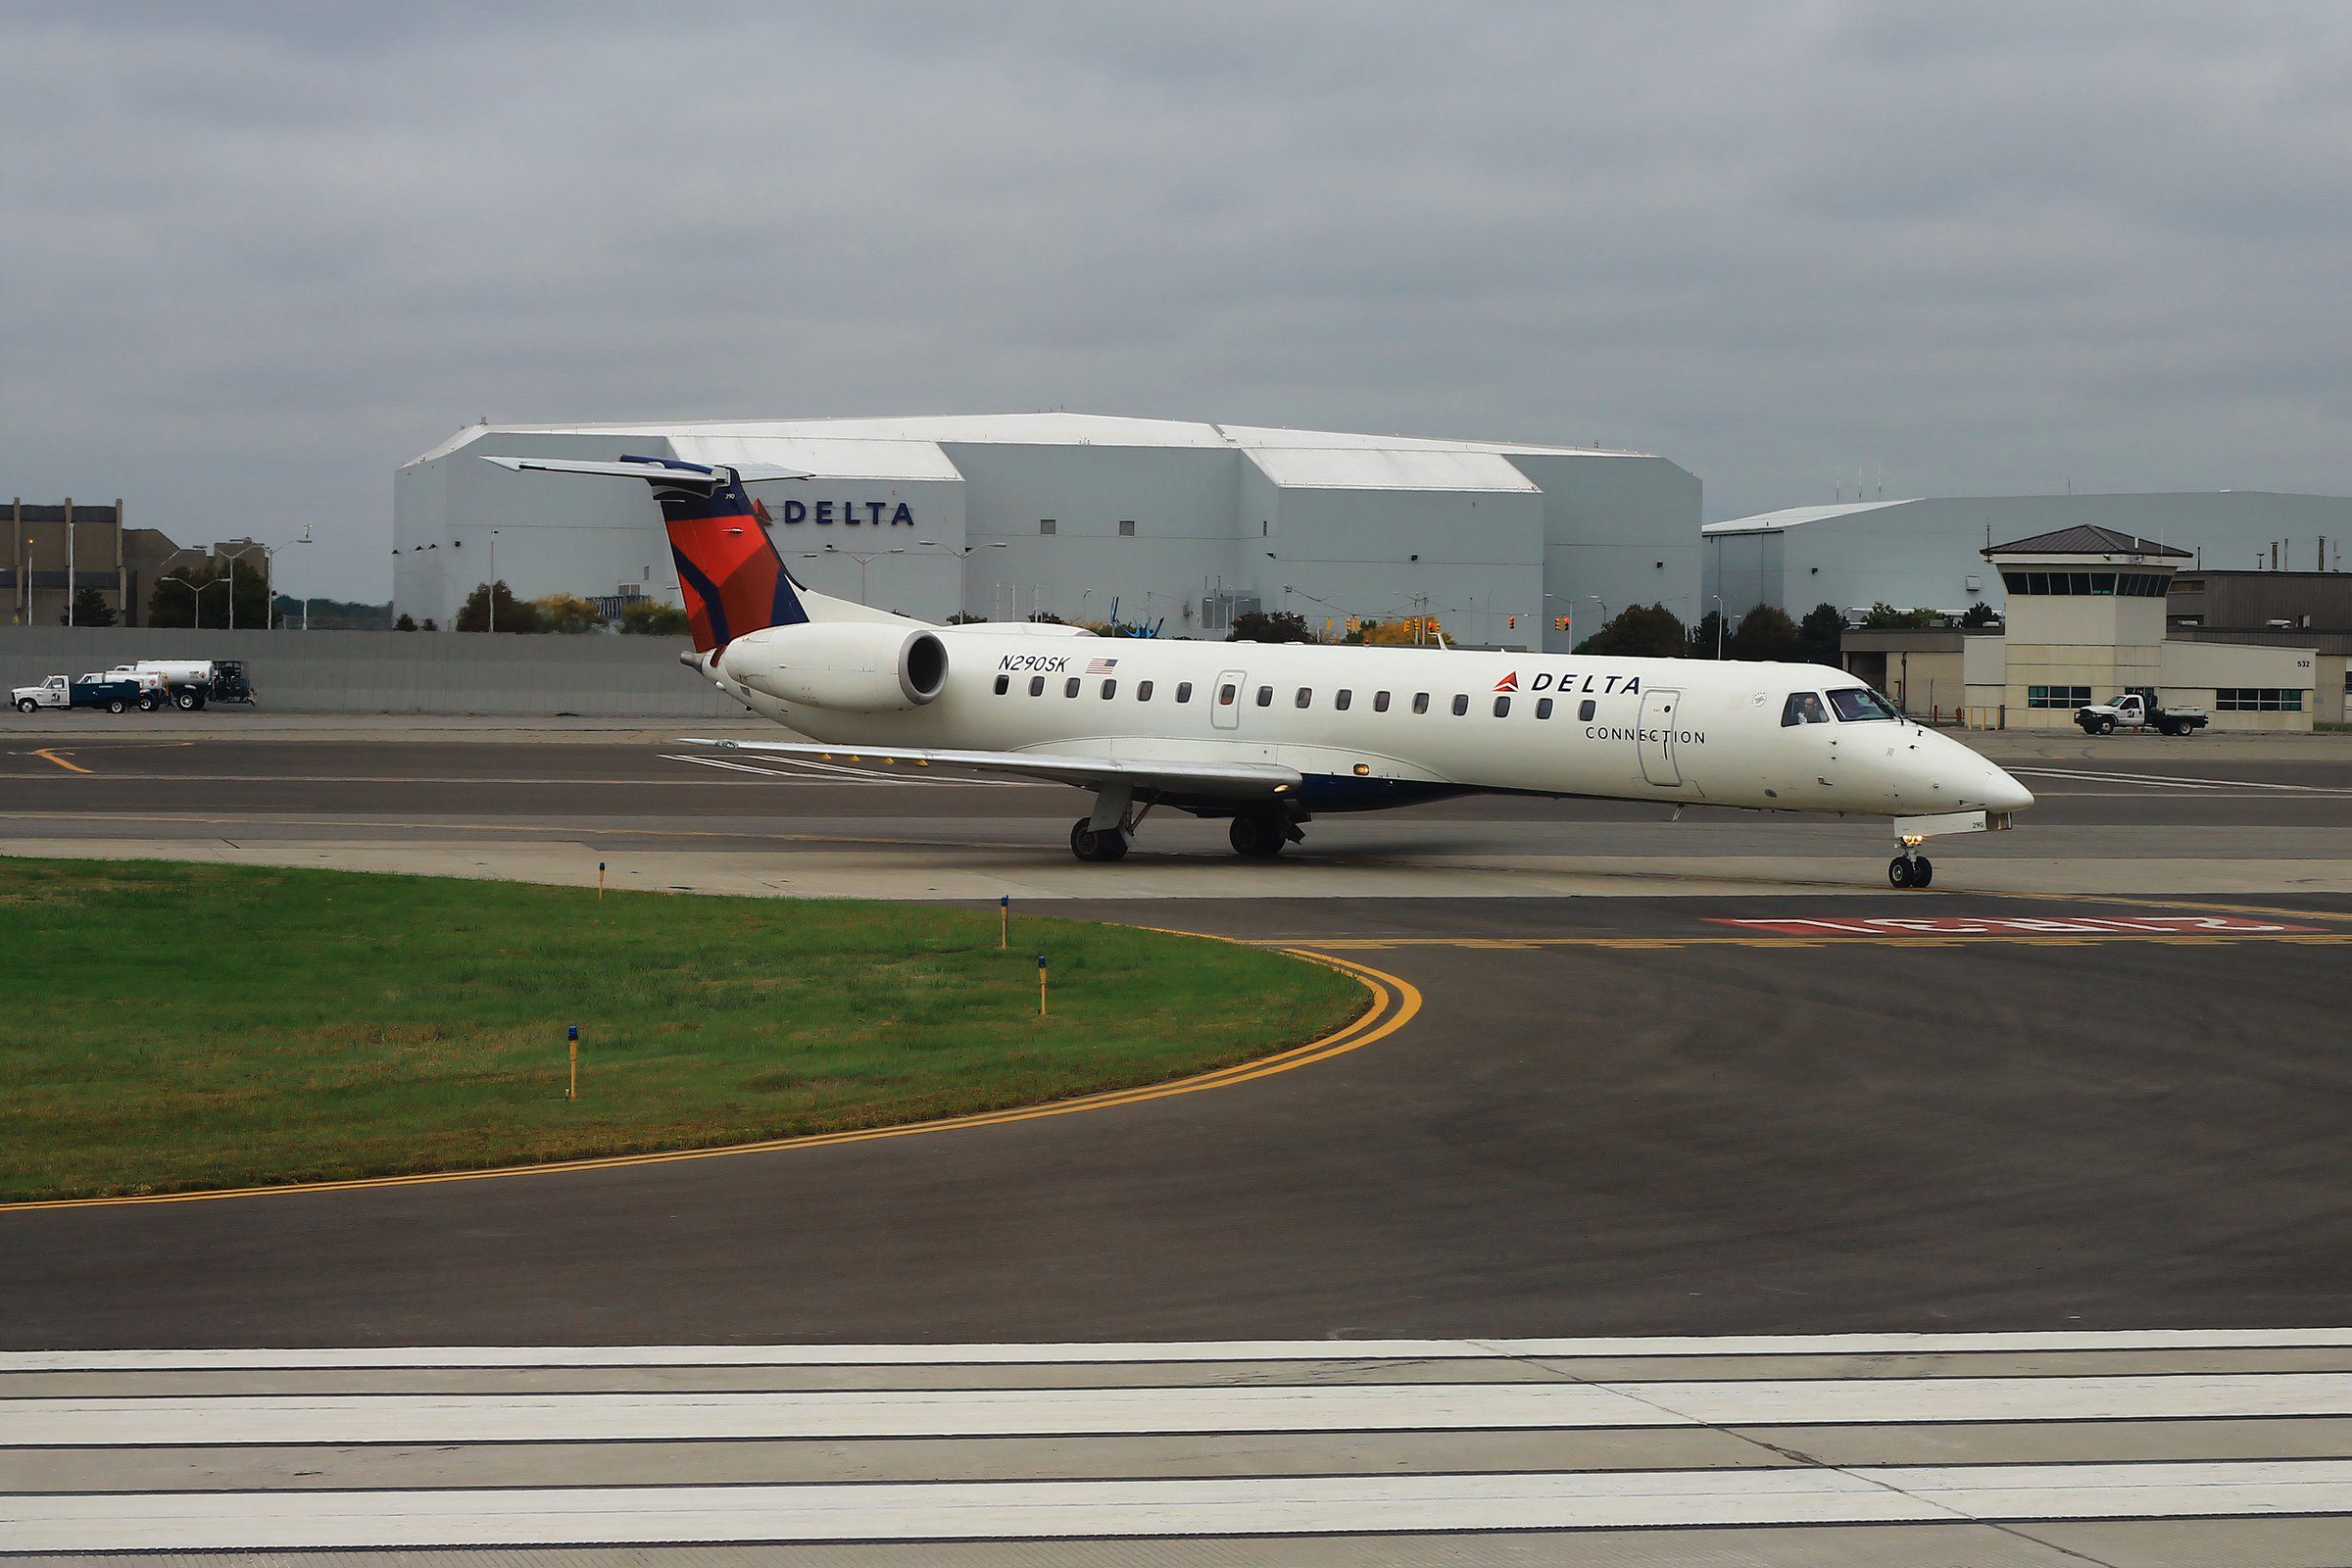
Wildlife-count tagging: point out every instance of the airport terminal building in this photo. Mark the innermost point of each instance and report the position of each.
(1172, 523)
(1929, 553)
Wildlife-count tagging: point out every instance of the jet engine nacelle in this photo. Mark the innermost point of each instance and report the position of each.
(852, 666)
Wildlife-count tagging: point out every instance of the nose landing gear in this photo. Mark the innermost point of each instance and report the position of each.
(1911, 869)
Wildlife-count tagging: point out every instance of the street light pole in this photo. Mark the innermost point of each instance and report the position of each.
(1718, 597)
(864, 561)
(964, 569)
(269, 580)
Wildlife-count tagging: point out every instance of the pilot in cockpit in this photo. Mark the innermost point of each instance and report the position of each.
(1805, 708)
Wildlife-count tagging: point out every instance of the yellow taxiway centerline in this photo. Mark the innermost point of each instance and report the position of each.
(1890, 938)
(1394, 1002)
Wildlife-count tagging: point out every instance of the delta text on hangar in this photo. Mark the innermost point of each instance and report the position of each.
(1175, 522)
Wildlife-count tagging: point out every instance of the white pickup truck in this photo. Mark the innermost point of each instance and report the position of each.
(2140, 711)
(91, 691)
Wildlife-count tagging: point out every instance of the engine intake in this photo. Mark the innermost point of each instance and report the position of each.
(853, 667)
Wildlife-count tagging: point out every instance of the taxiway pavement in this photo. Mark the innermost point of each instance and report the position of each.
(1707, 1078)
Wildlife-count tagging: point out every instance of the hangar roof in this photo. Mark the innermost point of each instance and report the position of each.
(1793, 516)
(1388, 468)
(920, 447)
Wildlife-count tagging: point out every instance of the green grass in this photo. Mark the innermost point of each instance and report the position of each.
(169, 1026)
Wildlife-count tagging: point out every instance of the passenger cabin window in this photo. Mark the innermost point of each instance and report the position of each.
(1306, 696)
(1585, 710)
(1543, 707)
(1265, 697)
(1003, 684)
(1142, 691)
(1225, 695)
(1420, 702)
(1380, 702)
(1184, 692)
(1070, 688)
(1858, 704)
(1804, 708)
(1502, 706)
(1037, 685)
(1342, 698)
(1461, 705)
(1111, 689)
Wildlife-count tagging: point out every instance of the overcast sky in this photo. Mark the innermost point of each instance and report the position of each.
(254, 257)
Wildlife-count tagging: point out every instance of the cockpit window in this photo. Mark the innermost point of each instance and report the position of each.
(1804, 708)
(1858, 702)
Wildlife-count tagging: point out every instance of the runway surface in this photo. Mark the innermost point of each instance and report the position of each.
(1706, 1078)
(2055, 1449)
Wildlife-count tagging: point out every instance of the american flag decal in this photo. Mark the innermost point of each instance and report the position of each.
(1100, 667)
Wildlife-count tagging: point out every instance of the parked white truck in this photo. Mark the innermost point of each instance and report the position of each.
(191, 682)
(2140, 711)
(112, 693)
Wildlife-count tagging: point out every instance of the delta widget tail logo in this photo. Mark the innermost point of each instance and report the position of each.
(1508, 683)
(729, 573)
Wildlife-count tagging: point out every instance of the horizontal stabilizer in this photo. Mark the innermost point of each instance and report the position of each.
(682, 475)
(1239, 780)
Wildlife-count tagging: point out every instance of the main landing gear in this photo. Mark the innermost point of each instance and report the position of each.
(1088, 843)
(1911, 869)
(1106, 835)
(1261, 835)
(1259, 832)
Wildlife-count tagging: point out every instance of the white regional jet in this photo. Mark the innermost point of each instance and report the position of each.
(1266, 735)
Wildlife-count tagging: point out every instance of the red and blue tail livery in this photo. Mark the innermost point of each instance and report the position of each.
(729, 573)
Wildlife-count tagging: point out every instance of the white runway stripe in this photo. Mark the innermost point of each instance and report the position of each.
(1146, 1352)
(114, 1421)
(2104, 777)
(1270, 1505)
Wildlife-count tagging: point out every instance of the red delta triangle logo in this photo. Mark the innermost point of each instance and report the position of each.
(1508, 683)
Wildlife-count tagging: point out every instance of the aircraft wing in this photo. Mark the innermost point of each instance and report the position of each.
(1240, 780)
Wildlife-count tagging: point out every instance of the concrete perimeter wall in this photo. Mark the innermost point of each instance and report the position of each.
(399, 672)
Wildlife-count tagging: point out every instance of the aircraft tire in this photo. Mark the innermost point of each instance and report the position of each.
(1923, 872)
(1258, 836)
(1898, 871)
(1090, 846)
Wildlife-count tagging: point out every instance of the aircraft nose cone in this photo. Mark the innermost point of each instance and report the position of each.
(2003, 793)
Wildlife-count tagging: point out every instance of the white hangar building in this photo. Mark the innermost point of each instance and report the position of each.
(1173, 522)
(1929, 553)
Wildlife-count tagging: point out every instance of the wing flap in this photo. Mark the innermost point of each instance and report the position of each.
(1242, 780)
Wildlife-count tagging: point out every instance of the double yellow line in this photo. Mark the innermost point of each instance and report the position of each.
(1394, 1001)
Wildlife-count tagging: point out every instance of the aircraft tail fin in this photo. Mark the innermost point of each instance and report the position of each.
(729, 573)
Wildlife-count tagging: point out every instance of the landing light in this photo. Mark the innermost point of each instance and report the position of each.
(1363, 770)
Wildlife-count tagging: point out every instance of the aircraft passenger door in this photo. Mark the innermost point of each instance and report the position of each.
(1225, 700)
(1657, 732)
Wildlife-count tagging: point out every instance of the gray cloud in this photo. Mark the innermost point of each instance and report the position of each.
(254, 257)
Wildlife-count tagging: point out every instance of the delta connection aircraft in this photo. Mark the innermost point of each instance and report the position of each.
(1266, 735)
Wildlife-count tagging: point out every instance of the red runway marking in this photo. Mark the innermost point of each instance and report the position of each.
(2073, 925)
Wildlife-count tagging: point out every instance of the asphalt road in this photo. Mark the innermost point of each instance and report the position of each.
(1610, 1115)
